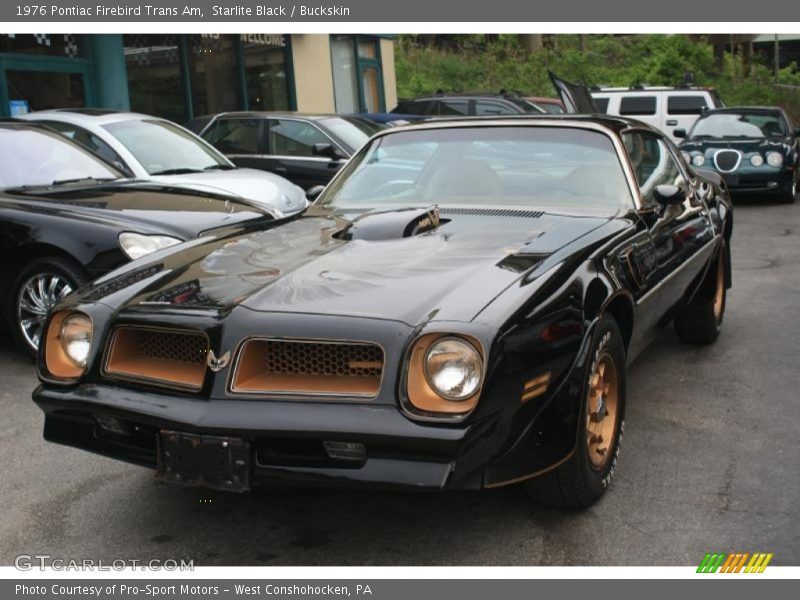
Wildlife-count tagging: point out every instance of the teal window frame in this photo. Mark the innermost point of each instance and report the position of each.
(365, 63)
(45, 64)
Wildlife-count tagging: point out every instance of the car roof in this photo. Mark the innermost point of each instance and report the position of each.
(613, 122)
(90, 116)
(454, 95)
(741, 109)
(649, 88)
(265, 114)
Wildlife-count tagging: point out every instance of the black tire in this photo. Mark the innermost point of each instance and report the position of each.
(66, 269)
(580, 481)
(701, 324)
(789, 193)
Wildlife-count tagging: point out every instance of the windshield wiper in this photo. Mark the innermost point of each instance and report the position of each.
(180, 171)
(81, 179)
(219, 168)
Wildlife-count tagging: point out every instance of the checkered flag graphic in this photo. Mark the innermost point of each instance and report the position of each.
(42, 39)
(70, 46)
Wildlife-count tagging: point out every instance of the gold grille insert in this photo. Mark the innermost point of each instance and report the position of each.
(160, 356)
(300, 367)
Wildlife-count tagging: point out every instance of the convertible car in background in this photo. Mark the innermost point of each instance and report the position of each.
(457, 310)
(754, 149)
(67, 216)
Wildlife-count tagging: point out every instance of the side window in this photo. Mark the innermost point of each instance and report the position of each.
(652, 162)
(453, 107)
(637, 105)
(234, 136)
(487, 107)
(413, 107)
(686, 105)
(89, 140)
(294, 138)
(601, 104)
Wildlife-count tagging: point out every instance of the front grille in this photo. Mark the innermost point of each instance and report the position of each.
(309, 367)
(727, 160)
(160, 356)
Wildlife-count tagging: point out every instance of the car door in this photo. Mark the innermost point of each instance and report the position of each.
(238, 138)
(683, 235)
(682, 109)
(291, 148)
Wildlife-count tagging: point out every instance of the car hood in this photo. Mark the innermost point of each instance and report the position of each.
(139, 207)
(267, 189)
(303, 266)
(710, 146)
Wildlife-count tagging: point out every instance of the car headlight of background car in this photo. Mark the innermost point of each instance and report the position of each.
(445, 373)
(756, 160)
(68, 344)
(774, 159)
(137, 245)
(698, 160)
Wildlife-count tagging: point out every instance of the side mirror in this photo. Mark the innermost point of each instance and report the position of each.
(669, 195)
(326, 150)
(313, 193)
(679, 133)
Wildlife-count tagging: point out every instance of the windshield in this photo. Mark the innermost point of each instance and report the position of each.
(163, 148)
(29, 156)
(484, 166)
(739, 125)
(352, 134)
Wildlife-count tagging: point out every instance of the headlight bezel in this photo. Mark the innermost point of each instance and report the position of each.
(757, 160)
(128, 241)
(698, 160)
(776, 163)
(58, 366)
(418, 399)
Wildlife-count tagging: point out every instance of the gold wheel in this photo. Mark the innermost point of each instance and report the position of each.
(719, 295)
(601, 415)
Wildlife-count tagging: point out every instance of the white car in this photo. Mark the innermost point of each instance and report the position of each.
(665, 108)
(154, 149)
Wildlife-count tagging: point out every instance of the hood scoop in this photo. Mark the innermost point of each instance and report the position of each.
(392, 224)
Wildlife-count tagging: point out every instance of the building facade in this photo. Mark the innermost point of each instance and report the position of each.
(180, 77)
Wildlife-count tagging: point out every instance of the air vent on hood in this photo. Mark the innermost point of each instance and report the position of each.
(492, 212)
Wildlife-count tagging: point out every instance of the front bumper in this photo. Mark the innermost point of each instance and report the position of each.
(400, 453)
(746, 183)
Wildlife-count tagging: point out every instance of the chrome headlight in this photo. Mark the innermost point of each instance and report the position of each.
(453, 368)
(756, 160)
(137, 245)
(76, 338)
(698, 160)
(774, 159)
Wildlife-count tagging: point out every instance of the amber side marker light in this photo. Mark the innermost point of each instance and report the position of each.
(536, 387)
(424, 357)
(71, 331)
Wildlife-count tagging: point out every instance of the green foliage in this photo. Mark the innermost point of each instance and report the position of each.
(477, 64)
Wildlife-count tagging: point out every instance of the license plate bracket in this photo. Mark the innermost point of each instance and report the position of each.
(216, 462)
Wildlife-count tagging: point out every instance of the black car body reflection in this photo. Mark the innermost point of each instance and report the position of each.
(457, 310)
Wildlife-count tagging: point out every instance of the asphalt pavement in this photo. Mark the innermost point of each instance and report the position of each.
(709, 463)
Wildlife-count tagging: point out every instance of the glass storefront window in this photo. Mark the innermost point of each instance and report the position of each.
(65, 45)
(213, 72)
(41, 90)
(265, 72)
(154, 75)
(345, 74)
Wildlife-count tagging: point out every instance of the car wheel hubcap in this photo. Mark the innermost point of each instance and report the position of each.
(37, 296)
(601, 418)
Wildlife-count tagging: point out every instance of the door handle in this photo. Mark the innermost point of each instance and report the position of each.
(672, 122)
(281, 170)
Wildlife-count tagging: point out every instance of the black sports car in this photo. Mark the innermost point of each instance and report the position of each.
(456, 310)
(66, 217)
(755, 149)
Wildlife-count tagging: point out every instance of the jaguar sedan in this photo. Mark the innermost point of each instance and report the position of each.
(755, 149)
(457, 310)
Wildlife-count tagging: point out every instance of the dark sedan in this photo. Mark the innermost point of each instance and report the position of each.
(457, 310)
(66, 217)
(754, 149)
(306, 149)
